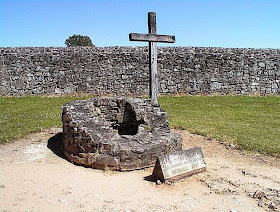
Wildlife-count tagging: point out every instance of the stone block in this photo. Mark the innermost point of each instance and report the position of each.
(178, 165)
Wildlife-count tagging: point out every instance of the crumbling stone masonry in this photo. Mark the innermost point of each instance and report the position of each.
(125, 70)
(116, 133)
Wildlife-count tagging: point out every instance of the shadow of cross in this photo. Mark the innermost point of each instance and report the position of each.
(152, 38)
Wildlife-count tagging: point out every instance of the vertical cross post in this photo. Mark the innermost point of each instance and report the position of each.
(152, 38)
(152, 25)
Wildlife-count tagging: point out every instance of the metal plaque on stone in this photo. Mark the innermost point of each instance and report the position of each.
(179, 165)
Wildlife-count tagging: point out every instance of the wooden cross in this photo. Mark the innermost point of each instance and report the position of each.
(152, 38)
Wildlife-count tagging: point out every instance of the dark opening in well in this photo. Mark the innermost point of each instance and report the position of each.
(129, 125)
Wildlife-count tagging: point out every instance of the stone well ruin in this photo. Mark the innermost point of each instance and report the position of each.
(116, 133)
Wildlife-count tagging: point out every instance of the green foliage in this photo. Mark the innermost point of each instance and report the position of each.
(252, 122)
(78, 40)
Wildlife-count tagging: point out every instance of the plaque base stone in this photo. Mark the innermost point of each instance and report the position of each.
(179, 165)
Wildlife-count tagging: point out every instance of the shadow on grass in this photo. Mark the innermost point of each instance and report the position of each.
(55, 144)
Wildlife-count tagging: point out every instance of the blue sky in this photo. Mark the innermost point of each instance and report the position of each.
(200, 23)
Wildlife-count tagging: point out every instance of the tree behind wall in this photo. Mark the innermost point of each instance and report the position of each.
(78, 40)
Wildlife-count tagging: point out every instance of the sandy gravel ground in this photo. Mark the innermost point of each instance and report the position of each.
(34, 177)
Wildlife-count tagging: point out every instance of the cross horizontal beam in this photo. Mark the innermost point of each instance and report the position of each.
(152, 38)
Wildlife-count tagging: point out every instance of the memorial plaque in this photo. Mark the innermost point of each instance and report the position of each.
(179, 165)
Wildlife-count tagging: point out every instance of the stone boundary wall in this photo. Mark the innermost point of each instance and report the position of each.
(125, 70)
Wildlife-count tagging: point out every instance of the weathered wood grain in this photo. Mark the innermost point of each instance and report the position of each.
(153, 73)
(152, 38)
(152, 23)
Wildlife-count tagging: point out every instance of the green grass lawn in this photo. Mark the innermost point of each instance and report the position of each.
(20, 116)
(253, 122)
